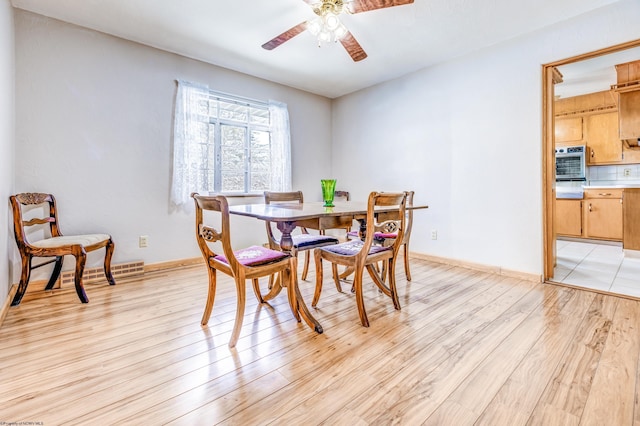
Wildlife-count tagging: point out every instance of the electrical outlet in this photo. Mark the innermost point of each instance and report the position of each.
(627, 172)
(434, 234)
(143, 241)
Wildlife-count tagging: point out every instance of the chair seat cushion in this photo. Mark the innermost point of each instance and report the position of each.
(309, 241)
(351, 248)
(84, 240)
(255, 256)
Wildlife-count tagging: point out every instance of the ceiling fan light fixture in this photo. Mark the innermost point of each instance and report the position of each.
(331, 21)
(327, 27)
(339, 32)
(324, 36)
(315, 26)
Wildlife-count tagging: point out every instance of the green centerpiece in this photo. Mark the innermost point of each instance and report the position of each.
(328, 191)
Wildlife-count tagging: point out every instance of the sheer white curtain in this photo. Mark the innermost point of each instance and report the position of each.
(190, 121)
(191, 132)
(280, 147)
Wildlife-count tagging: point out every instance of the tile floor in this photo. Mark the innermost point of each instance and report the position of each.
(597, 266)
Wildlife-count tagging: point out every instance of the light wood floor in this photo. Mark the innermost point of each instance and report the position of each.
(466, 348)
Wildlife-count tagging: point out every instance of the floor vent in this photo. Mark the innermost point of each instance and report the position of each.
(97, 274)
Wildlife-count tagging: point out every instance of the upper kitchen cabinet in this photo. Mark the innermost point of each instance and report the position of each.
(568, 131)
(628, 89)
(630, 116)
(603, 144)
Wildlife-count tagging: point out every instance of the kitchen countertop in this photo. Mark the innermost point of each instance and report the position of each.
(618, 186)
(576, 192)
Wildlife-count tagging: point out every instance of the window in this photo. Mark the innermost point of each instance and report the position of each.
(228, 144)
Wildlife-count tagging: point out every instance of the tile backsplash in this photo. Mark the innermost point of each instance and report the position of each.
(623, 172)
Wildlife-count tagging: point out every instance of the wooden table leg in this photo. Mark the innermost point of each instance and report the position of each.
(295, 297)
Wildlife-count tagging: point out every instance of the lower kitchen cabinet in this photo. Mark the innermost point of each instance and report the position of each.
(602, 214)
(569, 217)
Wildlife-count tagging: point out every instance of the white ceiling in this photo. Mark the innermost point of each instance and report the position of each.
(593, 75)
(230, 33)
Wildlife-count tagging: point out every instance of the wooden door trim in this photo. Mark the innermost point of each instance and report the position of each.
(548, 147)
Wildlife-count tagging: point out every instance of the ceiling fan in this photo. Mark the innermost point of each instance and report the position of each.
(327, 26)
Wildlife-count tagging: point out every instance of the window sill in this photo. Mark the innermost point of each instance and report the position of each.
(235, 195)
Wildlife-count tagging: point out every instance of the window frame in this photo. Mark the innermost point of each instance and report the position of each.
(248, 126)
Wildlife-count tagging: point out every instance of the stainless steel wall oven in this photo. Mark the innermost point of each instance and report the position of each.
(571, 163)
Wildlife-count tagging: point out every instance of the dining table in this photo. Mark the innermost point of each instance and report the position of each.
(312, 215)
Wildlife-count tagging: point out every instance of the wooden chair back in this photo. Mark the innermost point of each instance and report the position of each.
(50, 221)
(386, 223)
(342, 194)
(271, 197)
(206, 234)
(409, 215)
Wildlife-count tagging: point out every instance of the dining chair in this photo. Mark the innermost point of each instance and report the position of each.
(364, 254)
(386, 238)
(52, 243)
(250, 263)
(303, 242)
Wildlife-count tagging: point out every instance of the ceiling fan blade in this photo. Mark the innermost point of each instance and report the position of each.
(285, 36)
(358, 6)
(353, 47)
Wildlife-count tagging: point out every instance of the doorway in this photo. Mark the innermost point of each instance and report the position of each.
(572, 261)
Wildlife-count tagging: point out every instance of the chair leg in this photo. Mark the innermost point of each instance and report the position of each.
(272, 278)
(357, 285)
(81, 259)
(317, 258)
(336, 276)
(407, 271)
(305, 269)
(392, 283)
(24, 280)
(275, 287)
(211, 295)
(107, 262)
(256, 289)
(56, 273)
(237, 326)
(382, 271)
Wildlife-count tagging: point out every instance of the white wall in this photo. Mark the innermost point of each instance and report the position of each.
(94, 124)
(467, 137)
(7, 136)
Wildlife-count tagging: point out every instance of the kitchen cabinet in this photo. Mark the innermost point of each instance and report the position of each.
(602, 214)
(628, 88)
(585, 104)
(630, 115)
(603, 143)
(631, 219)
(568, 130)
(569, 217)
